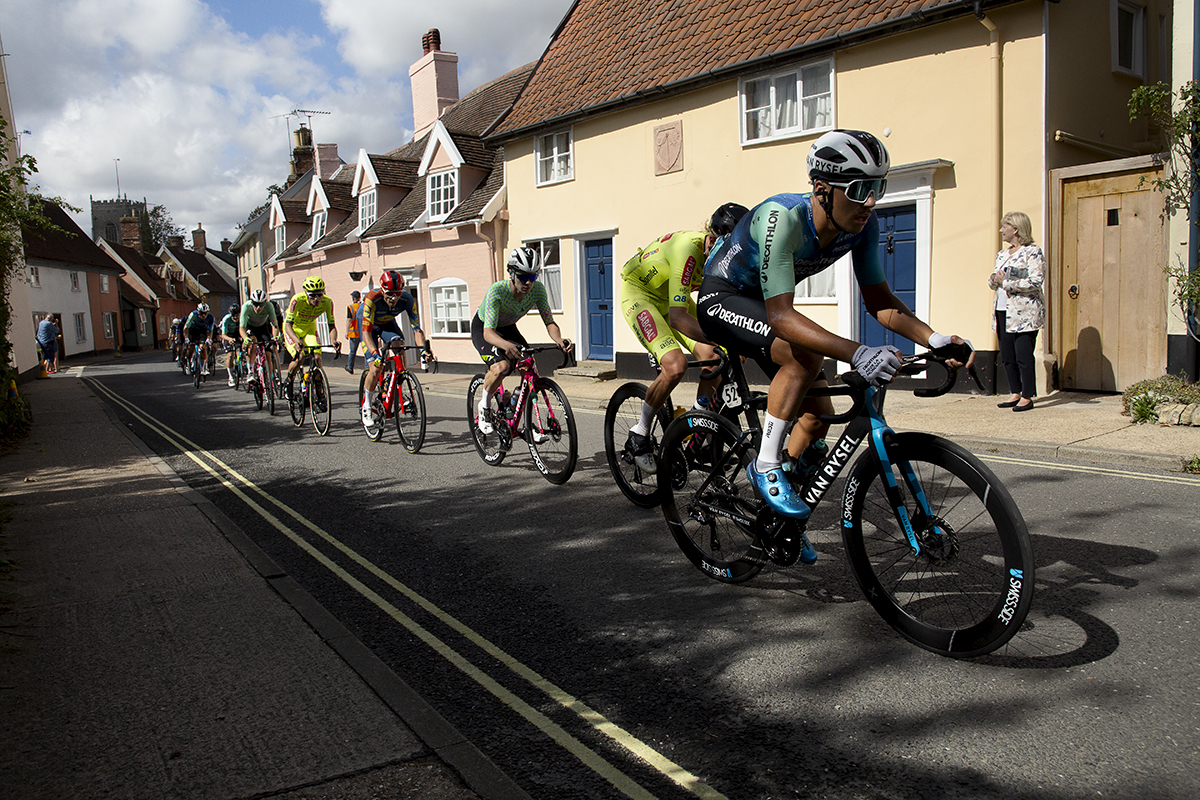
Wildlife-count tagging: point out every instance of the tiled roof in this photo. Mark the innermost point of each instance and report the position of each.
(339, 232)
(147, 267)
(69, 246)
(197, 264)
(613, 53)
(392, 171)
(472, 206)
(401, 216)
(338, 195)
(476, 112)
(294, 210)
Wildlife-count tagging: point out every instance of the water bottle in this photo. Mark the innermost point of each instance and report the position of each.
(506, 403)
(703, 403)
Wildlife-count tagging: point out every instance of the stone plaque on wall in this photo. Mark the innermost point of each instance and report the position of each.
(668, 148)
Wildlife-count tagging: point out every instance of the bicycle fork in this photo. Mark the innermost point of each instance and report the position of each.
(880, 434)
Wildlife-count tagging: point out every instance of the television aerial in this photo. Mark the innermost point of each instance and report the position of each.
(299, 112)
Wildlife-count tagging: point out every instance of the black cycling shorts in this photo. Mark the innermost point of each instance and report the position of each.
(737, 323)
(488, 351)
(197, 335)
(261, 333)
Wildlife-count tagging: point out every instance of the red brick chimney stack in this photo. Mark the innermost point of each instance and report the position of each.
(199, 241)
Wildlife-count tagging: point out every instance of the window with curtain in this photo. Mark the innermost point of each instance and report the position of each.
(790, 102)
(554, 162)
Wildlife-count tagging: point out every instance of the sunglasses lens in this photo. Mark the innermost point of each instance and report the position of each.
(526, 277)
(860, 190)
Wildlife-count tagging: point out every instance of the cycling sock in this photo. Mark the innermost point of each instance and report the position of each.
(773, 437)
(643, 425)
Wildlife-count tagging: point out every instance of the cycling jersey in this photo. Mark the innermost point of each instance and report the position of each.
(661, 277)
(252, 318)
(668, 269)
(775, 246)
(376, 313)
(500, 307)
(229, 326)
(303, 315)
(200, 322)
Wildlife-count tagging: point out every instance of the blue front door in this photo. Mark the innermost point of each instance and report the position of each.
(597, 256)
(898, 252)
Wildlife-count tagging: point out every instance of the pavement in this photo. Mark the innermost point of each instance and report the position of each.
(149, 649)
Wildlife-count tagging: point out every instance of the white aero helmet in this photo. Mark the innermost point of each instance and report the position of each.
(844, 156)
(524, 259)
(258, 297)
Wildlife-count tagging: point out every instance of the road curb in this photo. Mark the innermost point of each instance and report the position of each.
(475, 769)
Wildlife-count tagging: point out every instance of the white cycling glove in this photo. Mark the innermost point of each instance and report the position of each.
(876, 364)
(937, 340)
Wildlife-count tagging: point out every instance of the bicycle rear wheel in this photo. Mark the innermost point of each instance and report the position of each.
(711, 508)
(968, 590)
(491, 447)
(623, 412)
(410, 412)
(550, 431)
(320, 401)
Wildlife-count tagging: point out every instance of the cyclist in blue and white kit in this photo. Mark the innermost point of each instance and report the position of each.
(199, 326)
(746, 300)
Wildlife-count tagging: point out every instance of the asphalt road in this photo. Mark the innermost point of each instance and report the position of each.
(560, 629)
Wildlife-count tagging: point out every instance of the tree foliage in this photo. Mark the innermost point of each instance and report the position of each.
(17, 212)
(155, 227)
(1177, 115)
(272, 190)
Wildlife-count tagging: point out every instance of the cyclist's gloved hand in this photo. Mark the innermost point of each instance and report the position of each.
(876, 364)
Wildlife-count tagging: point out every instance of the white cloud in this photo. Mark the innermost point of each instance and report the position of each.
(190, 105)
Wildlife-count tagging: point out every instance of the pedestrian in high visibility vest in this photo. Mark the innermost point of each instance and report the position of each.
(353, 329)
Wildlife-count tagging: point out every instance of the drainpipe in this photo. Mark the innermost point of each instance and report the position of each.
(491, 247)
(998, 111)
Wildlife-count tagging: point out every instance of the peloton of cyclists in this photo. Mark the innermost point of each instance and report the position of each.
(381, 312)
(746, 300)
(494, 327)
(199, 326)
(300, 325)
(656, 298)
(257, 325)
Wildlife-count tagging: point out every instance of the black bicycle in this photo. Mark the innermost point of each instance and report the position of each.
(934, 538)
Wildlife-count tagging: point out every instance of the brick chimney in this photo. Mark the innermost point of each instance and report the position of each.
(327, 160)
(434, 81)
(175, 241)
(131, 233)
(302, 153)
(225, 245)
(199, 240)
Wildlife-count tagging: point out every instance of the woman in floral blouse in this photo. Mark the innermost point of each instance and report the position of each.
(1020, 306)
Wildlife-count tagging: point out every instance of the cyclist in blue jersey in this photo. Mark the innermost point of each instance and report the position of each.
(199, 326)
(746, 300)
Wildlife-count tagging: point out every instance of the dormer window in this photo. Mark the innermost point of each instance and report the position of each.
(280, 241)
(318, 225)
(366, 209)
(442, 193)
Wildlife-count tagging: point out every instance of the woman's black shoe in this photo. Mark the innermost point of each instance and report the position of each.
(1007, 405)
(1023, 408)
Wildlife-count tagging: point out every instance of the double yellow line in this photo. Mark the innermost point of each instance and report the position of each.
(244, 489)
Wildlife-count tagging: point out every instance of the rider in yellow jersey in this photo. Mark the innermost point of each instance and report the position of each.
(300, 323)
(656, 297)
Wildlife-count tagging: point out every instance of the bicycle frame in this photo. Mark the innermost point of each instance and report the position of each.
(529, 375)
(388, 381)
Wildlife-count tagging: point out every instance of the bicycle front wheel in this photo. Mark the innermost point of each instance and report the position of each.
(623, 412)
(969, 588)
(196, 370)
(269, 387)
(410, 412)
(320, 401)
(257, 385)
(491, 446)
(710, 505)
(550, 431)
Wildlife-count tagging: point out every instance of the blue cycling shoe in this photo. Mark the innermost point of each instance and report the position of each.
(776, 489)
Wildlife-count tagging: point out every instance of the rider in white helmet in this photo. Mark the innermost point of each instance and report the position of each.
(747, 299)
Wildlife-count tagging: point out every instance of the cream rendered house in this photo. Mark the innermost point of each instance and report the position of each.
(621, 138)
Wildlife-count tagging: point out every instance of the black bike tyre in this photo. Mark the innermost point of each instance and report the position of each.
(258, 387)
(410, 424)
(993, 582)
(320, 401)
(196, 369)
(270, 388)
(559, 472)
(296, 399)
(488, 446)
(702, 543)
(641, 490)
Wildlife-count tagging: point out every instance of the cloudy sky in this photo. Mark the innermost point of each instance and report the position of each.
(188, 94)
